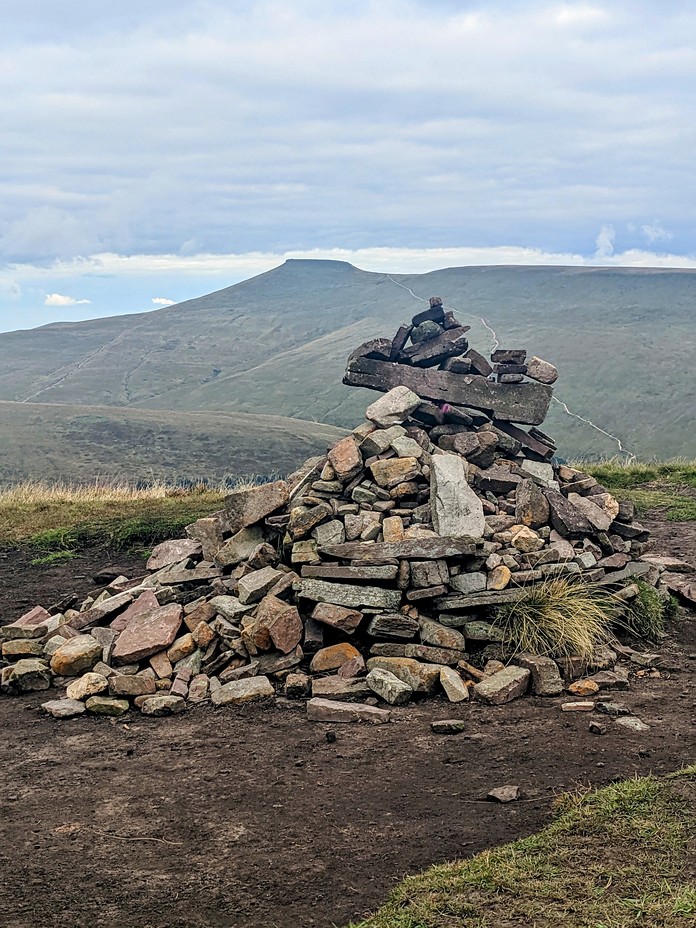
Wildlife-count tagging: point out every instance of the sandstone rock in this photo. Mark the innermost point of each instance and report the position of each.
(161, 664)
(349, 595)
(469, 582)
(526, 540)
(531, 506)
(198, 688)
(542, 371)
(580, 706)
(33, 624)
(392, 625)
(162, 705)
(248, 506)
(147, 634)
(328, 710)
(330, 533)
(122, 685)
(388, 686)
(504, 686)
(146, 602)
(504, 794)
(341, 688)
(76, 655)
(255, 585)
(181, 648)
(29, 674)
(541, 472)
(499, 578)
(16, 648)
(393, 408)
(583, 688)
(632, 723)
(379, 440)
(393, 471)
(333, 657)
(64, 708)
(422, 678)
(89, 684)
(297, 685)
(106, 705)
(108, 608)
(239, 547)
(566, 518)
(439, 636)
(241, 691)
(209, 532)
(595, 515)
(546, 677)
(355, 667)
(346, 459)
(457, 510)
(417, 549)
(346, 620)
(172, 552)
(453, 685)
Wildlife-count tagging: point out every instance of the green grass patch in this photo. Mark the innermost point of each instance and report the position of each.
(618, 857)
(69, 520)
(54, 557)
(615, 474)
(647, 613)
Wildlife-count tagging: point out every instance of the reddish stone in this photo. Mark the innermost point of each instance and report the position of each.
(147, 634)
(146, 602)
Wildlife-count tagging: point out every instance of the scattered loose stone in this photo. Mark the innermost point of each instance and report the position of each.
(586, 706)
(504, 794)
(162, 705)
(503, 686)
(106, 705)
(64, 708)
(448, 727)
(583, 687)
(632, 723)
(327, 710)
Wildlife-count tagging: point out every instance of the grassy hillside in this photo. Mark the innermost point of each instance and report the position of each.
(78, 443)
(622, 338)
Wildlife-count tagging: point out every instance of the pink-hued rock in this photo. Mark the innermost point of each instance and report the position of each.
(146, 602)
(31, 625)
(172, 552)
(147, 634)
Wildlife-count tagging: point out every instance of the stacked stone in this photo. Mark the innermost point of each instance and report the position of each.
(372, 572)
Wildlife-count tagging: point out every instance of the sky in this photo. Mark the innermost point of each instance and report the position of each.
(156, 151)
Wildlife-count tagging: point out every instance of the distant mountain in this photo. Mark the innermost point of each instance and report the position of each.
(623, 339)
(41, 441)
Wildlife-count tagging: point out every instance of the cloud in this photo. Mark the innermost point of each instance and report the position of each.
(269, 127)
(655, 233)
(605, 243)
(162, 301)
(59, 299)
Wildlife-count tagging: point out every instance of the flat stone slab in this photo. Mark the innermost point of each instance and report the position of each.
(350, 595)
(422, 678)
(32, 624)
(327, 710)
(241, 691)
(526, 402)
(246, 507)
(412, 549)
(343, 689)
(64, 708)
(388, 686)
(503, 686)
(457, 511)
(172, 552)
(147, 634)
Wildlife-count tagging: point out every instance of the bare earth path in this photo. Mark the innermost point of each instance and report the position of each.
(224, 819)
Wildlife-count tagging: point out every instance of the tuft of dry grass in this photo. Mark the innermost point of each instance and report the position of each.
(558, 618)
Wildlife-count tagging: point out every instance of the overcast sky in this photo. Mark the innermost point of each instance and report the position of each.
(159, 149)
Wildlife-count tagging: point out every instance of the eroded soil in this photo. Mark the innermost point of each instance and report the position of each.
(229, 818)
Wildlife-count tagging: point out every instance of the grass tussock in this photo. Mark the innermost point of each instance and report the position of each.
(62, 518)
(558, 618)
(648, 613)
(619, 857)
(667, 486)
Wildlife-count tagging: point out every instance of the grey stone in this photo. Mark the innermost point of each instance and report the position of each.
(89, 684)
(546, 677)
(393, 625)
(531, 506)
(596, 516)
(248, 506)
(422, 678)
(341, 688)
(239, 547)
(350, 595)
(328, 710)
(163, 705)
(330, 533)
(474, 582)
(457, 511)
(388, 686)
(503, 686)
(64, 708)
(504, 794)
(241, 691)
(172, 552)
(438, 635)
(28, 675)
(448, 726)
(394, 407)
(105, 705)
(453, 685)
(632, 723)
(412, 548)
(255, 585)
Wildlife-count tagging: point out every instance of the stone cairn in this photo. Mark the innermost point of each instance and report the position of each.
(369, 576)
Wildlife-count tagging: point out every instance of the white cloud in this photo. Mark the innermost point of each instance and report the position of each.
(605, 243)
(59, 299)
(655, 233)
(162, 301)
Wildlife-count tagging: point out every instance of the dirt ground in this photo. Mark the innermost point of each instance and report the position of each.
(252, 817)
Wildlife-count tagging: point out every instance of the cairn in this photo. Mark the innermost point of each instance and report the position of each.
(374, 571)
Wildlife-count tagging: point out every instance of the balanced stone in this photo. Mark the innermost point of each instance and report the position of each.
(393, 408)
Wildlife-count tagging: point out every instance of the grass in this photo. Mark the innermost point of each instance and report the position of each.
(647, 613)
(61, 518)
(658, 485)
(558, 618)
(618, 857)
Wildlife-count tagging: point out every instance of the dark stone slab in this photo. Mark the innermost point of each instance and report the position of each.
(399, 341)
(526, 439)
(566, 518)
(467, 602)
(479, 364)
(429, 353)
(526, 402)
(499, 480)
(457, 365)
(372, 572)
(374, 348)
(509, 356)
(434, 313)
(393, 625)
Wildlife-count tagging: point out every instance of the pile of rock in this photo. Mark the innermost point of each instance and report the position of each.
(372, 572)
